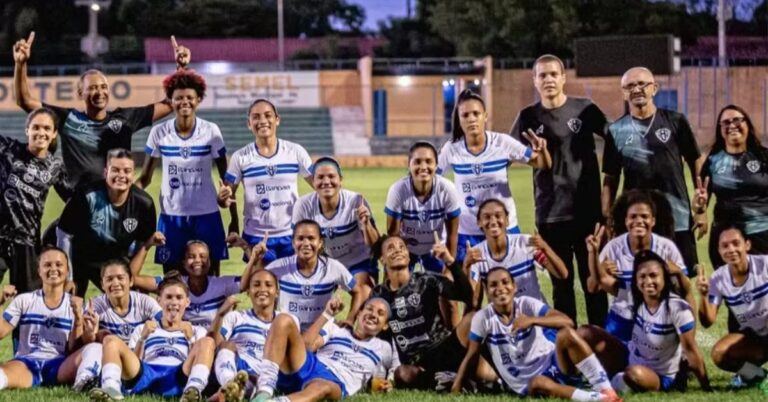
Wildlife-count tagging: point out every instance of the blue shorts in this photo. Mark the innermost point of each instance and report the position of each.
(474, 240)
(554, 373)
(550, 333)
(242, 365)
(277, 247)
(429, 262)
(44, 372)
(178, 230)
(311, 370)
(166, 381)
(619, 327)
(371, 268)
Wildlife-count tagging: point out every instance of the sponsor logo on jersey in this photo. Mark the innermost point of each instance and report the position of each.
(130, 224)
(477, 169)
(172, 169)
(753, 166)
(470, 201)
(466, 187)
(264, 188)
(402, 312)
(174, 183)
(11, 195)
(264, 204)
(115, 125)
(574, 125)
(663, 134)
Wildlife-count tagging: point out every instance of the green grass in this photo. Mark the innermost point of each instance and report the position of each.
(373, 183)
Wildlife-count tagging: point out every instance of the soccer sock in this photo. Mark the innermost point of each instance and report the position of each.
(619, 385)
(591, 368)
(90, 363)
(198, 377)
(110, 376)
(750, 371)
(3, 380)
(267, 376)
(582, 395)
(224, 366)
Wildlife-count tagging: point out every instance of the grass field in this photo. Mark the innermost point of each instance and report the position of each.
(373, 183)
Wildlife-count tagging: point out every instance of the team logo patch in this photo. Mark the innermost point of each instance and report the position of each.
(126, 329)
(130, 224)
(271, 170)
(648, 327)
(663, 134)
(172, 341)
(401, 312)
(746, 297)
(185, 152)
(753, 166)
(115, 125)
(423, 215)
(50, 321)
(355, 347)
(163, 254)
(306, 290)
(330, 232)
(575, 125)
(477, 169)
(470, 201)
(414, 299)
(45, 176)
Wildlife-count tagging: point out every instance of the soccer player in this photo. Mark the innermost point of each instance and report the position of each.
(422, 203)
(206, 292)
(567, 196)
(187, 145)
(741, 284)
(345, 218)
(664, 332)
(49, 321)
(269, 169)
(29, 170)
(425, 340)
(160, 355)
(518, 253)
(328, 361)
(479, 160)
(736, 171)
(528, 362)
(88, 135)
(108, 219)
(309, 279)
(649, 145)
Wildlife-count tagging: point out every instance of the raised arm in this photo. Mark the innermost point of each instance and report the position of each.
(707, 310)
(593, 250)
(21, 52)
(552, 262)
(312, 338)
(234, 225)
(540, 159)
(145, 282)
(147, 171)
(9, 292)
(607, 270)
(551, 319)
(183, 56)
(229, 305)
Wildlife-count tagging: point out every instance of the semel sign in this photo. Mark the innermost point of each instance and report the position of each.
(292, 89)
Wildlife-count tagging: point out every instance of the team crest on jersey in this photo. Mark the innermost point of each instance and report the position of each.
(355, 347)
(330, 232)
(126, 329)
(648, 327)
(185, 152)
(45, 176)
(753, 166)
(306, 290)
(18, 165)
(575, 125)
(163, 254)
(746, 297)
(115, 125)
(50, 321)
(423, 215)
(130, 224)
(270, 170)
(414, 299)
(402, 312)
(171, 341)
(663, 134)
(477, 169)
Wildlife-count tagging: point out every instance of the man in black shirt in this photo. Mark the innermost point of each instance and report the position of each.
(567, 197)
(649, 145)
(105, 220)
(27, 171)
(426, 344)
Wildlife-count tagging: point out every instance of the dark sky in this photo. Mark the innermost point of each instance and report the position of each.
(376, 10)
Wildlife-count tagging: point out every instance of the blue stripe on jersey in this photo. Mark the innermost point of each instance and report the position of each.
(454, 214)
(158, 340)
(431, 214)
(230, 178)
(215, 301)
(336, 231)
(484, 167)
(745, 298)
(521, 268)
(283, 168)
(503, 339)
(543, 311)
(247, 329)
(298, 289)
(394, 214)
(656, 329)
(528, 152)
(115, 327)
(50, 323)
(687, 327)
(475, 337)
(356, 348)
(148, 150)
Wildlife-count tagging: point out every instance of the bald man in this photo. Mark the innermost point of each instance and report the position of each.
(649, 146)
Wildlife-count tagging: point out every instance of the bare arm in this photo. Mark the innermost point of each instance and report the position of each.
(234, 225)
(608, 281)
(77, 323)
(359, 295)
(553, 319)
(393, 226)
(312, 338)
(707, 310)
(145, 282)
(468, 365)
(608, 196)
(554, 264)
(695, 360)
(21, 53)
(146, 172)
(452, 234)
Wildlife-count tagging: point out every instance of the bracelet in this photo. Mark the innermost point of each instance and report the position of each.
(327, 316)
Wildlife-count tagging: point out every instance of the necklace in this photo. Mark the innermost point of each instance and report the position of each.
(638, 130)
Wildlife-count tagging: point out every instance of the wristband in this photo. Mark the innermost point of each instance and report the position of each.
(328, 316)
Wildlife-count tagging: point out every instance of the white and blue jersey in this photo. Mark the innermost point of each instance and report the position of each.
(249, 334)
(342, 234)
(141, 308)
(306, 296)
(43, 332)
(418, 220)
(187, 188)
(518, 260)
(517, 357)
(656, 336)
(270, 184)
(165, 348)
(749, 302)
(482, 176)
(202, 308)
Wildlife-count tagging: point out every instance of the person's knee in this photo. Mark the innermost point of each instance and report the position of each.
(720, 353)
(282, 324)
(227, 345)
(111, 341)
(567, 337)
(406, 375)
(205, 343)
(539, 385)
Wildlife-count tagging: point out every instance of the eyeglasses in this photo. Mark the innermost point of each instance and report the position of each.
(641, 85)
(736, 121)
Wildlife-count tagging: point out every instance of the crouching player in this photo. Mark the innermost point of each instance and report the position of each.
(328, 362)
(528, 362)
(160, 355)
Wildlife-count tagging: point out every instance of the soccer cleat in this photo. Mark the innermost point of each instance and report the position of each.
(105, 395)
(262, 397)
(234, 390)
(86, 384)
(738, 382)
(191, 394)
(609, 395)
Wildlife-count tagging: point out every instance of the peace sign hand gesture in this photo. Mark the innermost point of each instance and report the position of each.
(538, 144)
(700, 195)
(594, 240)
(181, 54)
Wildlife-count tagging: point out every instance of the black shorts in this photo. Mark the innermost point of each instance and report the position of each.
(21, 261)
(761, 339)
(445, 357)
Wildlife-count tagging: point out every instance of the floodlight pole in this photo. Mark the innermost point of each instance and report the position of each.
(280, 35)
(721, 52)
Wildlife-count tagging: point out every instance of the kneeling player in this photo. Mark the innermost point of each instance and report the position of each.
(528, 362)
(160, 356)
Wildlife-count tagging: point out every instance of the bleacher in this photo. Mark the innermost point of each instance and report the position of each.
(310, 127)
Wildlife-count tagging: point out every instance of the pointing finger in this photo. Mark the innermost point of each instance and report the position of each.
(31, 38)
(266, 237)
(173, 42)
(706, 183)
(468, 246)
(437, 238)
(361, 202)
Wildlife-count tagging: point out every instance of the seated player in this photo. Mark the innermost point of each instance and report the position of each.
(527, 361)
(206, 292)
(518, 253)
(741, 284)
(664, 333)
(328, 361)
(161, 356)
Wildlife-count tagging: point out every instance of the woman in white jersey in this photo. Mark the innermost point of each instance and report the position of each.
(742, 284)
(49, 322)
(206, 292)
(328, 361)
(268, 169)
(345, 218)
(170, 357)
(518, 253)
(479, 160)
(187, 145)
(423, 203)
(526, 360)
(664, 332)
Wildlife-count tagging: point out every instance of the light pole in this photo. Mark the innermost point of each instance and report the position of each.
(93, 44)
(280, 36)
